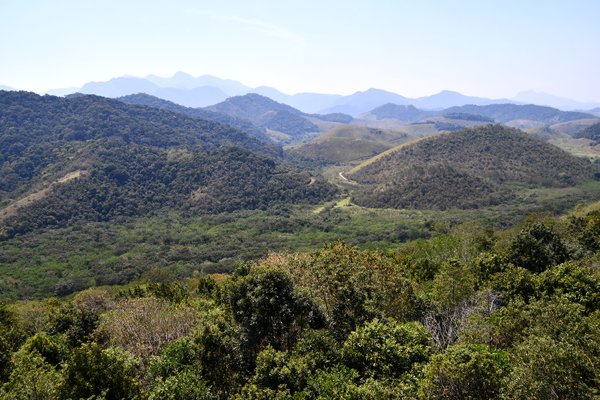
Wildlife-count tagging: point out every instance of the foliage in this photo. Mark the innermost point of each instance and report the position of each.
(265, 303)
(31, 378)
(536, 248)
(467, 169)
(385, 348)
(465, 372)
(92, 371)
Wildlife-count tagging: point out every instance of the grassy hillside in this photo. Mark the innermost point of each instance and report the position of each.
(470, 168)
(348, 143)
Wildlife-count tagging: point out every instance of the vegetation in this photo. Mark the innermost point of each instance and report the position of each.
(463, 314)
(347, 143)
(117, 164)
(146, 253)
(266, 113)
(591, 132)
(467, 169)
(243, 125)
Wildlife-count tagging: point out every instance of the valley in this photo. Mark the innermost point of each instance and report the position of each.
(195, 190)
(212, 247)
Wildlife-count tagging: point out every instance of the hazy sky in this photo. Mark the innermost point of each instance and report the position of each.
(415, 48)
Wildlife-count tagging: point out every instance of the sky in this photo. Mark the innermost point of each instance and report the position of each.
(415, 48)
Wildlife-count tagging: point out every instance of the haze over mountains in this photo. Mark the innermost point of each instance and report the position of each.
(206, 90)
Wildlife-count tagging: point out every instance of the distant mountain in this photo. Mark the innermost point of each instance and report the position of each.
(448, 98)
(200, 113)
(502, 113)
(118, 87)
(4, 87)
(509, 112)
(361, 102)
(201, 91)
(181, 80)
(312, 102)
(465, 169)
(267, 113)
(88, 158)
(545, 99)
(404, 113)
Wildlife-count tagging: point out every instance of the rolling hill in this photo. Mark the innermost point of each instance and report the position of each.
(404, 113)
(465, 169)
(95, 159)
(504, 113)
(500, 113)
(591, 132)
(266, 113)
(243, 125)
(346, 143)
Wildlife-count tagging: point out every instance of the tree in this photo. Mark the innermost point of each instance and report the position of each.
(266, 304)
(144, 326)
(187, 385)
(465, 371)
(548, 369)
(537, 248)
(91, 371)
(32, 378)
(386, 348)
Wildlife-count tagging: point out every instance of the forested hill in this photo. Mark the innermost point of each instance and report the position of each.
(499, 113)
(591, 132)
(91, 158)
(266, 113)
(34, 119)
(509, 112)
(200, 113)
(465, 169)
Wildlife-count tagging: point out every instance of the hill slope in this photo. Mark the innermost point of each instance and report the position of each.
(346, 143)
(465, 169)
(509, 112)
(91, 158)
(243, 125)
(267, 113)
(591, 132)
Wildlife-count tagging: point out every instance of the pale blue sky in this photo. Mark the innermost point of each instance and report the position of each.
(415, 48)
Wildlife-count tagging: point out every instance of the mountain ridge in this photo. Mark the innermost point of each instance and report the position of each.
(305, 101)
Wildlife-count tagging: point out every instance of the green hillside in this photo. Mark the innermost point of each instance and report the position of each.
(465, 169)
(266, 113)
(592, 132)
(243, 125)
(94, 159)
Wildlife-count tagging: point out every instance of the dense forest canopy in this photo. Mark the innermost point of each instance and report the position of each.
(468, 314)
(469, 168)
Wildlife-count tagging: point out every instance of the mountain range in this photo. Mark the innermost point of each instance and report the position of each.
(206, 90)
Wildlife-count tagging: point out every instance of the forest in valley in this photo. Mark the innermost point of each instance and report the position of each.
(473, 313)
